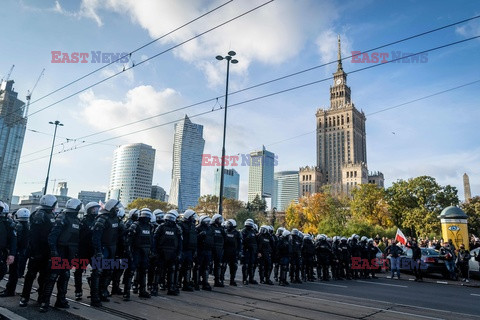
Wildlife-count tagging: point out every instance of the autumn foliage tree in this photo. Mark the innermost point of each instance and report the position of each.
(152, 204)
(369, 205)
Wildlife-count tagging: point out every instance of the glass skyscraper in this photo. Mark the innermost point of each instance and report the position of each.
(286, 188)
(260, 174)
(132, 173)
(13, 123)
(188, 147)
(231, 183)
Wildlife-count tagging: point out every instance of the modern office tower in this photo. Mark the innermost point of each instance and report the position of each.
(260, 174)
(231, 183)
(188, 147)
(286, 188)
(91, 196)
(13, 122)
(158, 193)
(132, 172)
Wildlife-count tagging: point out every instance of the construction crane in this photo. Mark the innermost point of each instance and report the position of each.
(8, 77)
(30, 92)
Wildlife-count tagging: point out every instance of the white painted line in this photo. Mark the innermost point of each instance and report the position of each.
(10, 315)
(474, 294)
(372, 308)
(383, 284)
(442, 282)
(328, 284)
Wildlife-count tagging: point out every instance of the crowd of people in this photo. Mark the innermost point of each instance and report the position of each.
(148, 252)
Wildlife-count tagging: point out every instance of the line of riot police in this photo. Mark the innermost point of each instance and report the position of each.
(161, 251)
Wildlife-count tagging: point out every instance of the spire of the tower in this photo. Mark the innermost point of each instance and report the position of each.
(339, 58)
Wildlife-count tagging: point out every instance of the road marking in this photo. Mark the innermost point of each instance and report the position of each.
(383, 284)
(474, 294)
(367, 307)
(328, 284)
(442, 282)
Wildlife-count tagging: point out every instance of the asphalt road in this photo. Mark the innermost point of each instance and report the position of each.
(355, 299)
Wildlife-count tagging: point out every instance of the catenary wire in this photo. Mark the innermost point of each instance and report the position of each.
(280, 92)
(273, 80)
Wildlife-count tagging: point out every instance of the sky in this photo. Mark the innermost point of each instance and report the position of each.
(436, 136)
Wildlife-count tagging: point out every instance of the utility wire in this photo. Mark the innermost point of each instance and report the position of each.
(130, 54)
(146, 60)
(276, 79)
(288, 90)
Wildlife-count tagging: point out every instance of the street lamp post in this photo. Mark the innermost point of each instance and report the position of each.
(56, 123)
(229, 59)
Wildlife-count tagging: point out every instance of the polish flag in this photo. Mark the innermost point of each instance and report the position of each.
(400, 237)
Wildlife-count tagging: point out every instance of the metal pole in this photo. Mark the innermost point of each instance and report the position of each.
(220, 201)
(56, 123)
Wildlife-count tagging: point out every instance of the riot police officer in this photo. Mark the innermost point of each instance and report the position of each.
(120, 253)
(205, 245)
(132, 217)
(345, 258)
(217, 252)
(324, 256)
(168, 247)
(139, 243)
(104, 238)
(249, 253)
(17, 268)
(296, 259)
(355, 251)
(152, 285)
(264, 255)
(8, 240)
(41, 223)
(63, 241)
(85, 245)
(276, 259)
(308, 257)
(362, 245)
(284, 254)
(231, 250)
(189, 248)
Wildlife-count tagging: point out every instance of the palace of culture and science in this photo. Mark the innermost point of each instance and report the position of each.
(341, 144)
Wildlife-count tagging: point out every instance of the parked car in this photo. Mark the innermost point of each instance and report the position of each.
(473, 264)
(432, 262)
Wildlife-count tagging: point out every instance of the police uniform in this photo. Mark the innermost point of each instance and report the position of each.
(249, 254)
(189, 250)
(168, 247)
(205, 245)
(41, 223)
(264, 255)
(231, 252)
(63, 242)
(17, 268)
(8, 242)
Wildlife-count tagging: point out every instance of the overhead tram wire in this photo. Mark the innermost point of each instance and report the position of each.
(154, 56)
(280, 78)
(283, 91)
(129, 54)
(137, 49)
(385, 109)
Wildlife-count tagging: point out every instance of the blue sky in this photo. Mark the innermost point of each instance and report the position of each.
(437, 136)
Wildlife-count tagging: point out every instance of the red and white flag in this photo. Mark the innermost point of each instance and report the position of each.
(400, 237)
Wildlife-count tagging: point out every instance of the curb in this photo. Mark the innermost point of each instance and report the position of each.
(444, 282)
(7, 314)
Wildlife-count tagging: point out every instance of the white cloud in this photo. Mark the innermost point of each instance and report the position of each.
(271, 35)
(471, 29)
(327, 44)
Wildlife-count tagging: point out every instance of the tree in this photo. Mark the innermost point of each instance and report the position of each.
(207, 204)
(416, 203)
(369, 205)
(258, 204)
(472, 209)
(231, 207)
(152, 204)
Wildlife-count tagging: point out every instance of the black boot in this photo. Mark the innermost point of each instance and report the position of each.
(95, 290)
(142, 284)
(251, 276)
(47, 293)
(187, 282)
(205, 285)
(62, 286)
(127, 283)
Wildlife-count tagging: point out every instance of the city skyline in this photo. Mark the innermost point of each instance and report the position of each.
(404, 141)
